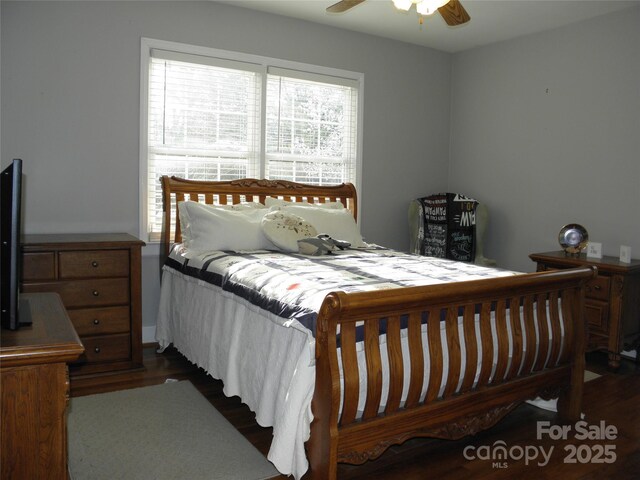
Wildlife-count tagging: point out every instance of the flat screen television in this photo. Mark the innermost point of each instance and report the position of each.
(14, 311)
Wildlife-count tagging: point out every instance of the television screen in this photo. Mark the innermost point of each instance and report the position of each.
(10, 209)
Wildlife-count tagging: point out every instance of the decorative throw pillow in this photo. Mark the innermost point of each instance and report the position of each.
(285, 229)
(339, 224)
(207, 227)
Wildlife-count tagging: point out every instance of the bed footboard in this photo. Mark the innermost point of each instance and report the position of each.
(533, 324)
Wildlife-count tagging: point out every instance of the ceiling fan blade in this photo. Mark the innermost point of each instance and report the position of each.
(454, 13)
(343, 6)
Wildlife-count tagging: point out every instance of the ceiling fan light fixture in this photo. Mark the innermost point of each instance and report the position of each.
(403, 4)
(452, 11)
(428, 7)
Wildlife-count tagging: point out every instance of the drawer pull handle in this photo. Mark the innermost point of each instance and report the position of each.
(94, 264)
(95, 293)
(96, 321)
(597, 287)
(97, 349)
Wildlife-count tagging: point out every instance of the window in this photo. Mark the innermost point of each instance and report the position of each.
(311, 135)
(212, 115)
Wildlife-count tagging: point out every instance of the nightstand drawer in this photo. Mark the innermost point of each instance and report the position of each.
(597, 314)
(87, 293)
(101, 321)
(38, 266)
(94, 263)
(598, 288)
(108, 348)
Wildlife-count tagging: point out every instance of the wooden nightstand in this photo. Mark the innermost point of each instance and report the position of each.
(35, 391)
(612, 301)
(98, 277)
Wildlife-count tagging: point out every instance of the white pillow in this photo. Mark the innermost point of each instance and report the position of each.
(238, 206)
(241, 206)
(338, 224)
(207, 227)
(285, 229)
(278, 202)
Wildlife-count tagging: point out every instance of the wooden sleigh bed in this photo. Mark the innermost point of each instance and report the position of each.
(538, 338)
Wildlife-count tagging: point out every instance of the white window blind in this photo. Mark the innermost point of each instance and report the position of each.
(206, 118)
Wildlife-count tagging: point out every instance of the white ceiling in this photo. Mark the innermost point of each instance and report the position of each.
(491, 20)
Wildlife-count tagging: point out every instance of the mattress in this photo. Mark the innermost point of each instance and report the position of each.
(249, 320)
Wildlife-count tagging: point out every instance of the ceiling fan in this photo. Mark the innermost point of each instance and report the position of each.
(452, 11)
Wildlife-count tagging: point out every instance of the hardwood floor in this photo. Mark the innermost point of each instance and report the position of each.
(613, 398)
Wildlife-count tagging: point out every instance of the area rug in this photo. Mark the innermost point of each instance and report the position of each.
(167, 431)
(588, 375)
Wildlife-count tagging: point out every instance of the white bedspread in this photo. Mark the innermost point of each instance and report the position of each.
(271, 368)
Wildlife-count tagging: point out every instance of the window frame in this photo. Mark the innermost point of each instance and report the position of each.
(262, 64)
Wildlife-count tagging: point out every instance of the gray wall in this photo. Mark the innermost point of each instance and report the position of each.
(70, 82)
(546, 131)
(543, 129)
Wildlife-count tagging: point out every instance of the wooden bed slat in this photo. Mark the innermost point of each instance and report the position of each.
(556, 330)
(350, 373)
(486, 340)
(416, 358)
(543, 332)
(435, 355)
(529, 329)
(374, 369)
(566, 303)
(453, 349)
(396, 365)
(179, 198)
(517, 345)
(503, 341)
(470, 346)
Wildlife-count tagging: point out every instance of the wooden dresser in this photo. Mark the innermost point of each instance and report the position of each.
(35, 391)
(612, 300)
(98, 277)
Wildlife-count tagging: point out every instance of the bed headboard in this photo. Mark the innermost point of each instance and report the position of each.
(175, 189)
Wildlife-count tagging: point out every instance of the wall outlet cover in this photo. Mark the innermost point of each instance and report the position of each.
(625, 254)
(594, 250)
